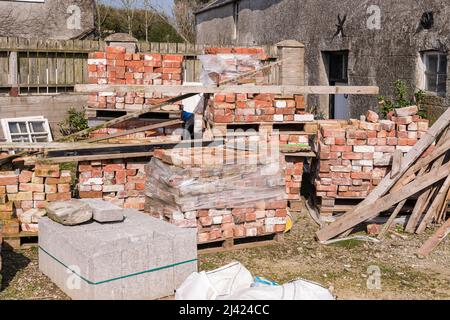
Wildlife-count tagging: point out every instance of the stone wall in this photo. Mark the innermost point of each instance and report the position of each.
(52, 107)
(376, 56)
(51, 19)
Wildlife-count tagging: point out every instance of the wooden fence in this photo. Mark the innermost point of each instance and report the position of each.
(56, 66)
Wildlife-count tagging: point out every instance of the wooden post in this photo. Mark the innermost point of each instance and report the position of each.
(13, 75)
(292, 71)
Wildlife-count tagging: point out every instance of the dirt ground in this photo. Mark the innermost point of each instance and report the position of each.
(344, 267)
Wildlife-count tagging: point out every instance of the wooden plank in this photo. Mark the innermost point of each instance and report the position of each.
(436, 206)
(386, 202)
(425, 198)
(410, 174)
(32, 67)
(126, 117)
(418, 210)
(236, 247)
(397, 163)
(69, 71)
(42, 69)
(391, 220)
(78, 68)
(99, 157)
(52, 68)
(61, 69)
(363, 212)
(250, 89)
(137, 130)
(4, 68)
(433, 242)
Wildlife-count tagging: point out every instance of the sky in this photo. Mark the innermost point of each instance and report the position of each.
(164, 4)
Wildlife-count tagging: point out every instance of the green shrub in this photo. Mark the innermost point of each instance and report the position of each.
(401, 100)
(75, 122)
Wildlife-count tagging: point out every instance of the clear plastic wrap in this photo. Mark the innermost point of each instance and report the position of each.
(226, 66)
(216, 186)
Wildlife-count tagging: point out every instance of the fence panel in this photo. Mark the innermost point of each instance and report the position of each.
(52, 66)
(4, 67)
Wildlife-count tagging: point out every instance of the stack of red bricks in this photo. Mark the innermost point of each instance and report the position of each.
(115, 66)
(25, 193)
(294, 177)
(118, 181)
(256, 108)
(194, 188)
(354, 157)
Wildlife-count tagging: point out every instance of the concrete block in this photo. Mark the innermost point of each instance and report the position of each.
(104, 211)
(141, 258)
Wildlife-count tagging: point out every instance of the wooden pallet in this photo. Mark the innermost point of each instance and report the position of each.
(240, 243)
(338, 206)
(287, 127)
(23, 240)
(108, 114)
(296, 205)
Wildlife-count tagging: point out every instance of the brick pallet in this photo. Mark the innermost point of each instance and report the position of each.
(354, 157)
(193, 188)
(259, 108)
(115, 66)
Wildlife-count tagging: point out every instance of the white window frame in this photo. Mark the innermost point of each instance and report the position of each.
(425, 57)
(27, 120)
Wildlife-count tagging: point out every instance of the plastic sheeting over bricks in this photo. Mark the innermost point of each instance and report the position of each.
(222, 192)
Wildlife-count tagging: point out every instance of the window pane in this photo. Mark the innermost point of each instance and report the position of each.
(431, 62)
(39, 138)
(13, 127)
(37, 127)
(442, 84)
(22, 138)
(23, 127)
(431, 83)
(443, 63)
(18, 127)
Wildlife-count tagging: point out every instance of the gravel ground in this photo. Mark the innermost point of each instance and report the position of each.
(343, 267)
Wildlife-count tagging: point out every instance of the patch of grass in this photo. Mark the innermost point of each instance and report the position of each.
(348, 244)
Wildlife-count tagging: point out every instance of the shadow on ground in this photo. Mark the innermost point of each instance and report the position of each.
(13, 263)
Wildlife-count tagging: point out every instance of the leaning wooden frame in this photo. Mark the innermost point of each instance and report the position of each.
(420, 173)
